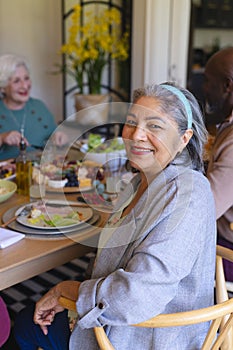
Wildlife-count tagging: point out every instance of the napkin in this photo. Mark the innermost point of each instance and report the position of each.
(9, 237)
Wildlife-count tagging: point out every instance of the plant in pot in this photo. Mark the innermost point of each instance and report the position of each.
(94, 38)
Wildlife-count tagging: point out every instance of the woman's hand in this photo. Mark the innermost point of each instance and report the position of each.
(60, 138)
(47, 307)
(11, 138)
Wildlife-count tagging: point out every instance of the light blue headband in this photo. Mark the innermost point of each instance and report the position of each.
(184, 100)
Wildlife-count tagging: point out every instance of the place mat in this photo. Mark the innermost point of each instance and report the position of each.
(51, 234)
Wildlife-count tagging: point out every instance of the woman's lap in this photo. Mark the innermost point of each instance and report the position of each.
(29, 335)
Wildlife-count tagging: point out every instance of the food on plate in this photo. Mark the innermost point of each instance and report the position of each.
(94, 141)
(39, 177)
(35, 213)
(72, 178)
(7, 169)
(47, 215)
(70, 174)
(84, 182)
(96, 144)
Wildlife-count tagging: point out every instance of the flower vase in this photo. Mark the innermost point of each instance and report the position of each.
(93, 110)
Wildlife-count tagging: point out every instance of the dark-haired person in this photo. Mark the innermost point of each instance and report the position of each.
(218, 90)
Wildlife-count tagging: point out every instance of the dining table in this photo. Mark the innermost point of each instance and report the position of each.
(32, 255)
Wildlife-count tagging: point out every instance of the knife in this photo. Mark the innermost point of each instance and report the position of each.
(59, 203)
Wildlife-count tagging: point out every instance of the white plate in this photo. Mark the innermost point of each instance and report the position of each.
(9, 177)
(23, 220)
(57, 233)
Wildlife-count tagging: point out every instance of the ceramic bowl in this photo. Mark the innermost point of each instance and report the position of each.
(57, 183)
(7, 189)
(113, 160)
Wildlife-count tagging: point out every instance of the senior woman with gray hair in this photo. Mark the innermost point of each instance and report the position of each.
(21, 114)
(156, 253)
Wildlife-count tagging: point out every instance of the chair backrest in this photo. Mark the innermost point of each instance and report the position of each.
(221, 288)
(221, 314)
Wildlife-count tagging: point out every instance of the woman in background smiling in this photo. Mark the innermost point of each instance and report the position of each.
(21, 114)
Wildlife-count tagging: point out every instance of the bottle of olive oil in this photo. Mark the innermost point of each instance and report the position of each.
(23, 169)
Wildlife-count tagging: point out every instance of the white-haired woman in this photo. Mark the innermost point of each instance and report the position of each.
(20, 113)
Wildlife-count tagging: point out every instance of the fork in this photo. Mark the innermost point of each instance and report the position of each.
(25, 211)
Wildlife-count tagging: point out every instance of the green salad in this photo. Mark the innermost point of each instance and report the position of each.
(96, 145)
(55, 220)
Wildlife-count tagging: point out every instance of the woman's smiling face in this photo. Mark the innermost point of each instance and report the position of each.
(18, 89)
(151, 137)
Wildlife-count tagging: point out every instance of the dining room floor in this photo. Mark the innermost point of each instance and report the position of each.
(29, 291)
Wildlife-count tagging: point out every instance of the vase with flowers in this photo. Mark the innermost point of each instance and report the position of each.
(93, 40)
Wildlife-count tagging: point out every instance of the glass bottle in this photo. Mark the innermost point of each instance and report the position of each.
(23, 169)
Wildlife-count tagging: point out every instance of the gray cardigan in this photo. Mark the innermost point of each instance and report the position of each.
(160, 260)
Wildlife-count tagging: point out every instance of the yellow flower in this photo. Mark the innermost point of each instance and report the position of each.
(92, 42)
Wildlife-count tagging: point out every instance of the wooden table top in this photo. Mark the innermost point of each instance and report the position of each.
(30, 257)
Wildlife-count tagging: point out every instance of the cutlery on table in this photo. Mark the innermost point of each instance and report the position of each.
(25, 211)
(60, 203)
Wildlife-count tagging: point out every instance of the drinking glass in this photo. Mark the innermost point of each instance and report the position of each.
(113, 172)
(37, 188)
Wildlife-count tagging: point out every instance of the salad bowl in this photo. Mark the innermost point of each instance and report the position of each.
(7, 189)
(108, 153)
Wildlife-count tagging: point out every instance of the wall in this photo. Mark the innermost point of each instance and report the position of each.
(33, 29)
(138, 43)
(205, 38)
(160, 41)
(160, 37)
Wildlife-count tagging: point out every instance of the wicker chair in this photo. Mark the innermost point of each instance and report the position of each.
(220, 332)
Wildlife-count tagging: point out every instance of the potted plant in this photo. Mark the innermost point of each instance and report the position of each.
(93, 40)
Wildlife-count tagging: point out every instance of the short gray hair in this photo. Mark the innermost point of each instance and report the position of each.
(175, 109)
(8, 66)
